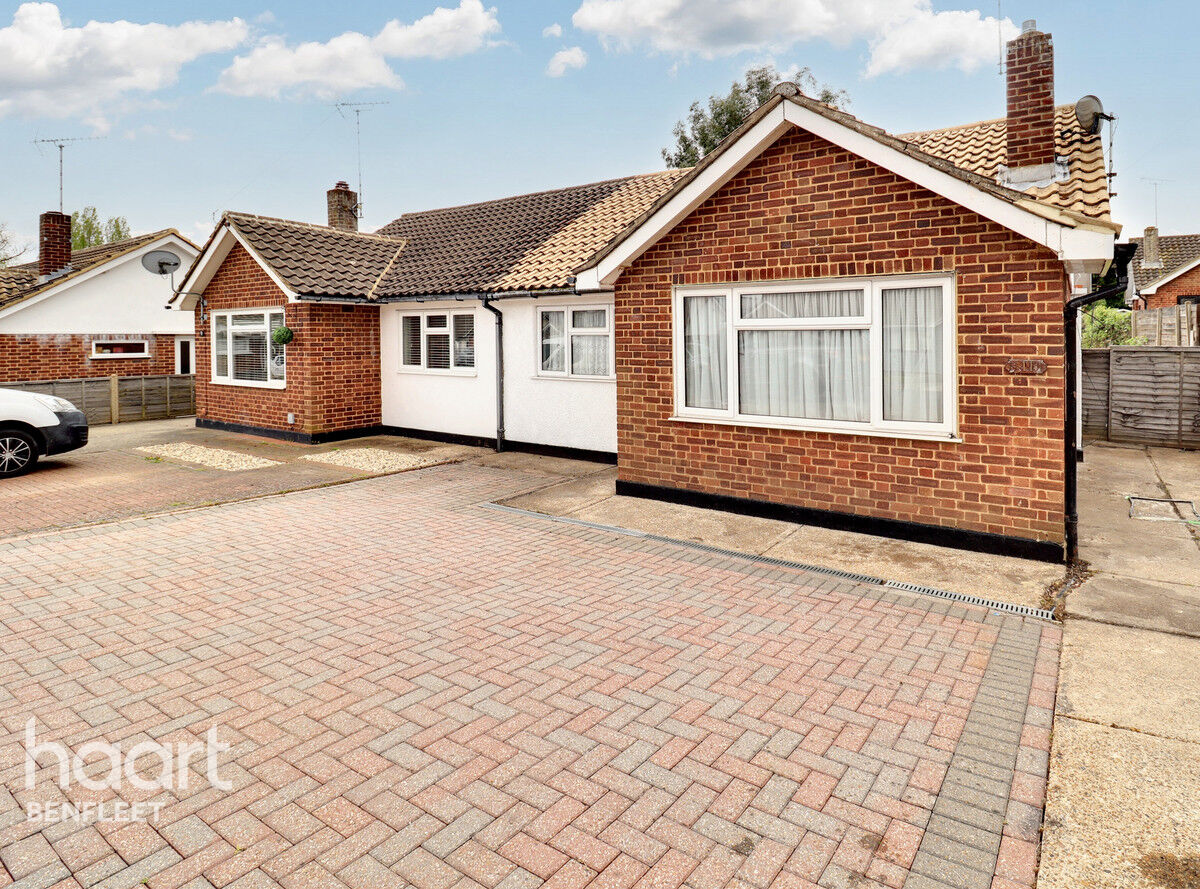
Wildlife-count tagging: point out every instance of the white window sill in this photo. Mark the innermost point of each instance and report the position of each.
(126, 357)
(439, 372)
(576, 378)
(874, 432)
(252, 384)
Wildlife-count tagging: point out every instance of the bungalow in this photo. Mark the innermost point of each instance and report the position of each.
(820, 321)
(1164, 271)
(93, 312)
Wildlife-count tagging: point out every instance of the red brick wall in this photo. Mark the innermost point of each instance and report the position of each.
(807, 209)
(332, 364)
(25, 357)
(1187, 284)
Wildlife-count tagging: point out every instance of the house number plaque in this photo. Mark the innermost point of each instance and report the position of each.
(1025, 367)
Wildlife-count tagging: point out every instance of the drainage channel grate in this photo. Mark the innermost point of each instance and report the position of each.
(1006, 607)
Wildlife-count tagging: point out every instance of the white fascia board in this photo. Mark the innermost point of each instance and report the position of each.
(210, 260)
(1166, 279)
(731, 162)
(1082, 249)
(96, 271)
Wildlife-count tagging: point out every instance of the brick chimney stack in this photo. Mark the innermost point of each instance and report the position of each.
(1030, 65)
(1151, 257)
(54, 242)
(343, 207)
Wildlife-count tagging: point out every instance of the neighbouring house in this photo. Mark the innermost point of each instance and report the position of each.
(1165, 270)
(94, 312)
(820, 321)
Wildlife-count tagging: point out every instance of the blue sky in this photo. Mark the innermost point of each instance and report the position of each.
(228, 114)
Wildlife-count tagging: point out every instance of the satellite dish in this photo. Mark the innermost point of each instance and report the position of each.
(160, 262)
(1089, 112)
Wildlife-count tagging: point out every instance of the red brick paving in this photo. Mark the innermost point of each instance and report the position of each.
(422, 692)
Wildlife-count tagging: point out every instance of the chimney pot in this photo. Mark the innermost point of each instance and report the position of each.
(54, 243)
(343, 207)
(1030, 67)
(1151, 255)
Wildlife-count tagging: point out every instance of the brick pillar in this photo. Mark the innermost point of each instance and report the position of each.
(343, 207)
(54, 242)
(1030, 99)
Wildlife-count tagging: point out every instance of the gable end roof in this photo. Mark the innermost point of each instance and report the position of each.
(1179, 253)
(1066, 231)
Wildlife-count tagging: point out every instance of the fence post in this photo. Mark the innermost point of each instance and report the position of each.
(114, 398)
(1108, 418)
(167, 384)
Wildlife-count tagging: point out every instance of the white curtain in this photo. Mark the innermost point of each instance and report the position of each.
(705, 352)
(554, 347)
(810, 374)
(912, 354)
(589, 355)
(807, 304)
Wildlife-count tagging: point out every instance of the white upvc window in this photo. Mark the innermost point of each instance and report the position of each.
(120, 349)
(575, 341)
(871, 356)
(437, 342)
(243, 352)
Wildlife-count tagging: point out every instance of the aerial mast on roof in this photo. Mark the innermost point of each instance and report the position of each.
(61, 144)
(357, 108)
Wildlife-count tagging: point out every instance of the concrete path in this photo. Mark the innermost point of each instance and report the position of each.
(421, 691)
(1122, 809)
(998, 578)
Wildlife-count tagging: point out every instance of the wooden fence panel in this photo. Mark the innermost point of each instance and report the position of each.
(1145, 396)
(138, 398)
(1189, 400)
(1094, 393)
(1169, 325)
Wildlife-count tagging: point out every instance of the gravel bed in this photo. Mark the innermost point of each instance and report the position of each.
(213, 458)
(373, 460)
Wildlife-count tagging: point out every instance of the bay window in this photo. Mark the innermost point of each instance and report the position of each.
(873, 356)
(243, 351)
(575, 341)
(437, 341)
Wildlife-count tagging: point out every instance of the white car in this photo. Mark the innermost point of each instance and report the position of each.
(33, 425)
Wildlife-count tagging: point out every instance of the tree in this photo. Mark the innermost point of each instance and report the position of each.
(88, 231)
(704, 128)
(9, 250)
(1104, 326)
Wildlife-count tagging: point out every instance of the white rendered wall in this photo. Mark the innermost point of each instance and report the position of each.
(124, 298)
(572, 413)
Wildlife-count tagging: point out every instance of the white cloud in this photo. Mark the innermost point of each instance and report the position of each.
(900, 34)
(554, 30)
(48, 69)
(353, 61)
(565, 60)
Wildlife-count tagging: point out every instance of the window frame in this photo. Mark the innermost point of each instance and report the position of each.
(454, 370)
(871, 321)
(229, 379)
(145, 353)
(569, 330)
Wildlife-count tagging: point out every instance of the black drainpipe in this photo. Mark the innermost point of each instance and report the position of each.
(487, 304)
(1122, 253)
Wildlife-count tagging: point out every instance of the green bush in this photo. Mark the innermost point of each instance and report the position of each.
(1104, 326)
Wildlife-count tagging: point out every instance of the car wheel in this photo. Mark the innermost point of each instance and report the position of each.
(18, 452)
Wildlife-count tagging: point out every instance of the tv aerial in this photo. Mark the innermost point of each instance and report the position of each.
(357, 108)
(62, 143)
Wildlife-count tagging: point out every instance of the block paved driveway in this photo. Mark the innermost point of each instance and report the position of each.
(421, 691)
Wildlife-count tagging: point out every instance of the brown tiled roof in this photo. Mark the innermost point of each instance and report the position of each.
(315, 260)
(527, 242)
(1175, 251)
(980, 148)
(21, 281)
